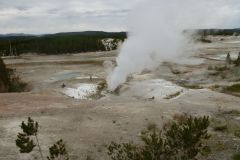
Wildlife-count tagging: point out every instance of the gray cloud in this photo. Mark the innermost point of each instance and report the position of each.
(50, 16)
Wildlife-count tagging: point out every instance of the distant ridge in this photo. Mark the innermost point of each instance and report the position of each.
(212, 31)
(76, 42)
(84, 33)
(15, 35)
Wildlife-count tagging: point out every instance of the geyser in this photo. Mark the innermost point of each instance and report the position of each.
(155, 32)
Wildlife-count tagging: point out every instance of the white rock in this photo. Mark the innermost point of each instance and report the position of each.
(83, 91)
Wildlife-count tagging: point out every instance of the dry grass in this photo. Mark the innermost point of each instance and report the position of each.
(192, 86)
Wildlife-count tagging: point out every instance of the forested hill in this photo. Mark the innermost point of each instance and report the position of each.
(223, 32)
(60, 43)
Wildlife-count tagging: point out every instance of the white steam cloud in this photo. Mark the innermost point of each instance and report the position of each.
(156, 32)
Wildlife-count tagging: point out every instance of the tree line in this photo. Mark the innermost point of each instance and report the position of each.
(221, 32)
(59, 43)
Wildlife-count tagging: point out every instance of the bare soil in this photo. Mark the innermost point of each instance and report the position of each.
(87, 126)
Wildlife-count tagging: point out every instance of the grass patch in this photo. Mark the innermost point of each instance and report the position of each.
(236, 156)
(193, 86)
(210, 68)
(17, 85)
(233, 88)
(232, 112)
(214, 87)
(237, 133)
(214, 73)
(221, 68)
(151, 126)
(174, 71)
(171, 96)
(221, 128)
(204, 40)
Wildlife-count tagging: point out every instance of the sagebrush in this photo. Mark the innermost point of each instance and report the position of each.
(179, 140)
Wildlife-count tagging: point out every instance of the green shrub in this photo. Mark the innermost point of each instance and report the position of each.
(210, 68)
(171, 96)
(232, 112)
(176, 141)
(192, 86)
(204, 40)
(58, 151)
(221, 128)
(28, 140)
(237, 133)
(4, 75)
(10, 81)
(233, 88)
(221, 68)
(236, 156)
(17, 85)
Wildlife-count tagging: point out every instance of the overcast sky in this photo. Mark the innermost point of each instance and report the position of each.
(51, 16)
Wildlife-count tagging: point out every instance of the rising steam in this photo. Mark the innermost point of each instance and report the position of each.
(155, 32)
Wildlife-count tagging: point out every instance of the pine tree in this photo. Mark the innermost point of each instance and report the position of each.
(238, 60)
(228, 59)
(28, 140)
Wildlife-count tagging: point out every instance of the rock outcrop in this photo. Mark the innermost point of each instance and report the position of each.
(111, 44)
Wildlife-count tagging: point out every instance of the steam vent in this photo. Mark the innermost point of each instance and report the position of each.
(120, 80)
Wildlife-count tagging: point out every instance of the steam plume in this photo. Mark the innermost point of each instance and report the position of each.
(156, 32)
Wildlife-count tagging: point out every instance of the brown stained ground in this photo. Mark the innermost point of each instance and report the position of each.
(87, 126)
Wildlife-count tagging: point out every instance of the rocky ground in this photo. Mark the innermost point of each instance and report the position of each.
(88, 125)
